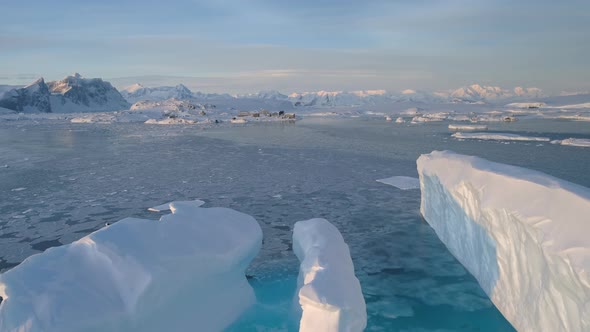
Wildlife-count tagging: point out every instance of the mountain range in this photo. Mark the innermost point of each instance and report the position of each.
(77, 94)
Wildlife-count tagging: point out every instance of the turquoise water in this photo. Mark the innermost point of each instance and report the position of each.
(78, 177)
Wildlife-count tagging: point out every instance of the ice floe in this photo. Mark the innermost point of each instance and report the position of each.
(467, 127)
(499, 137)
(581, 142)
(168, 206)
(402, 182)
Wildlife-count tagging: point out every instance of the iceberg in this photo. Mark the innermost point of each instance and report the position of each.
(467, 127)
(328, 291)
(182, 273)
(499, 137)
(521, 233)
(580, 142)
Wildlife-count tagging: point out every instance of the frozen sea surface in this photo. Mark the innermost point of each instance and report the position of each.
(60, 181)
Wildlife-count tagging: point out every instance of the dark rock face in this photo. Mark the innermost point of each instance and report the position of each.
(72, 94)
(32, 98)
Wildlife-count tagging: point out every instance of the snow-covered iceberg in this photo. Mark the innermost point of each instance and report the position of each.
(182, 273)
(521, 233)
(328, 291)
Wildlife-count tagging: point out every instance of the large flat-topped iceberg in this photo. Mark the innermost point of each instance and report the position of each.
(328, 291)
(523, 234)
(182, 273)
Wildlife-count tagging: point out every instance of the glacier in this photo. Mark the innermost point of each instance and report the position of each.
(328, 291)
(139, 275)
(521, 233)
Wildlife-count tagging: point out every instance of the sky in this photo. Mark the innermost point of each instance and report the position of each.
(248, 46)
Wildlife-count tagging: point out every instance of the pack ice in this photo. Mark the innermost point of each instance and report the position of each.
(523, 234)
(139, 275)
(328, 291)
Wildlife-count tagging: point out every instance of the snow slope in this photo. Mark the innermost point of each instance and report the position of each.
(328, 291)
(521, 233)
(183, 272)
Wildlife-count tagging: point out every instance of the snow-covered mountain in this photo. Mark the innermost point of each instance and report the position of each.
(270, 94)
(479, 93)
(410, 95)
(341, 98)
(34, 97)
(475, 93)
(138, 92)
(72, 94)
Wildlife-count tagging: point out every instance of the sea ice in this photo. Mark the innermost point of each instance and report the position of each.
(183, 273)
(328, 291)
(499, 137)
(167, 206)
(170, 121)
(581, 142)
(467, 127)
(402, 182)
(521, 233)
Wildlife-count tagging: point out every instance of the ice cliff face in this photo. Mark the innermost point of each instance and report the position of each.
(521, 233)
(72, 94)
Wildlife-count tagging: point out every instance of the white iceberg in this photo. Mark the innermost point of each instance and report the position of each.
(402, 182)
(499, 137)
(521, 233)
(183, 273)
(328, 291)
(580, 142)
(170, 205)
(467, 127)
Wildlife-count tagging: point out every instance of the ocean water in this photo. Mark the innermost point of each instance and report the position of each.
(61, 181)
